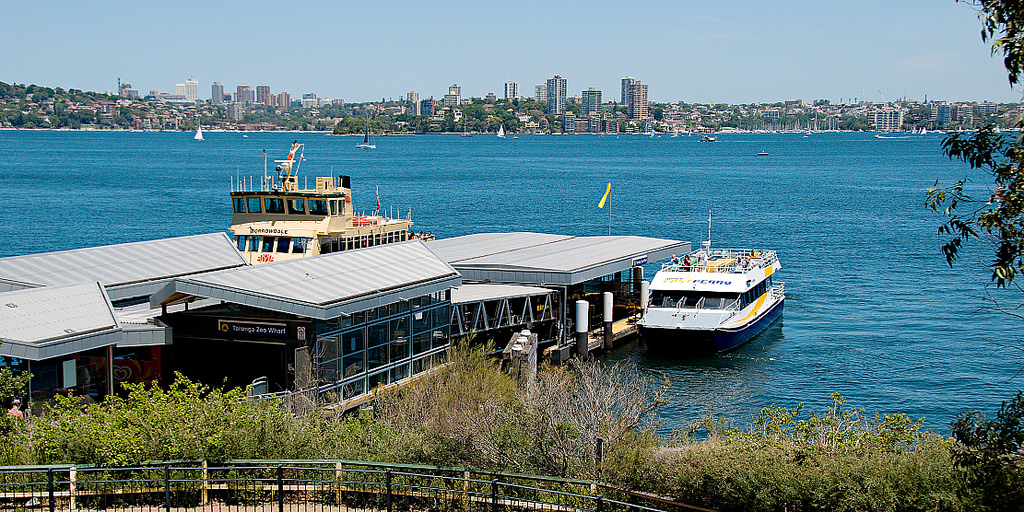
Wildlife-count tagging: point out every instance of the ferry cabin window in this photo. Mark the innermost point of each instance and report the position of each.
(241, 240)
(239, 205)
(254, 205)
(334, 207)
(254, 243)
(283, 243)
(299, 245)
(268, 244)
(297, 206)
(317, 207)
(274, 204)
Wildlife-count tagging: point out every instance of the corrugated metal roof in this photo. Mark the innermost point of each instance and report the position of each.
(41, 323)
(330, 285)
(482, 244)
(126, 270)
(533, 258)
(477, 292)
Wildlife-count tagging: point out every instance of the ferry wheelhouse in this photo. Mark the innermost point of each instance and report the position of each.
(712, 300)
(280, 221)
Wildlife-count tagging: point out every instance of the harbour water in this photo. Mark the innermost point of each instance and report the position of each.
(872, 309)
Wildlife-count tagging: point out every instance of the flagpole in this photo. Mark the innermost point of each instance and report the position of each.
(609, 216)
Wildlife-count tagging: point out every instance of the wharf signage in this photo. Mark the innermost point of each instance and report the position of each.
(639, 260)
(253, 329)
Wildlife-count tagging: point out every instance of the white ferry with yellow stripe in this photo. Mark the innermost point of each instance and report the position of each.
(712, 300)
(274, 220)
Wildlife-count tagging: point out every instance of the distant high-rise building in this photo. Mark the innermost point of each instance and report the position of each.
(263, 95)
(192, 90)
(283, 100)
(179, 90)
(454, 96)
(540, 92)
(591, 101)
(942, 114)
(244, 95)
(427, 107)
(627, 82)
(637, 100)
(216, 93)
(491, 97)
(126, 91)
(413, 97)
(511, 90)
(236, 111)
(556, 95)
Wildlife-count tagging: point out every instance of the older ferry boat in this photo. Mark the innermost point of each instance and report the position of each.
(280, 221)
(712, 300)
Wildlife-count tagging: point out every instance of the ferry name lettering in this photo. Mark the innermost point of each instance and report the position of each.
(268, 231)
(698, 281)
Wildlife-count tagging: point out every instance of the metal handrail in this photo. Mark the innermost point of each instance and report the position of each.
(192, 485)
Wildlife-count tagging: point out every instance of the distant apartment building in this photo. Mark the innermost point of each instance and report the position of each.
(126, 91)
(244, 95)
(594, 123)
(569, 122)
(427, 107)
(627, 82)
(772, 114)
(591, 102)
(988, 108)
(638, 100)
(511, 90)
(236, 111)
(491, 97)
(540, 92)
(611, 125)
(179, 90)
(192, 90)
(941, 113)
(413, 97)
(556, 95)
(454, 96)
(216, 93)
(284, 100)
(887, 119)
(263, 95)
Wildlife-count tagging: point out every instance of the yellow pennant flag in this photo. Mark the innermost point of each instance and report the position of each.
(605, 198)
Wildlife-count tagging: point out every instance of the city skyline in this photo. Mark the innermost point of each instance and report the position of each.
(741, 53)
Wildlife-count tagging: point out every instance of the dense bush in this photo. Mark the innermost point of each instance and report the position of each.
(469, 413)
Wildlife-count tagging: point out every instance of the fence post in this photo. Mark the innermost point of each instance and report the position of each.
(167, 487)
(494, 495)
(49, 486)
(337, 479)
(72, 477)
(599, 507)
(388, 484)
(205, 475)
(280, 488)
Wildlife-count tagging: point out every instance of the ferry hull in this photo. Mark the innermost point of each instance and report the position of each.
(679, 342)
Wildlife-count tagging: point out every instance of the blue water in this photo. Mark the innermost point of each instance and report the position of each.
(872, 309)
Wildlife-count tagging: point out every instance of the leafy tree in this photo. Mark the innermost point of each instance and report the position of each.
(991, 450)
(997, 213)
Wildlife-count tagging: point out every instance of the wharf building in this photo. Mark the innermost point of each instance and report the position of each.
(336, 325)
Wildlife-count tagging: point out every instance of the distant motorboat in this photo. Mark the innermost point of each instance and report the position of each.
(708, 138)
(762, 153)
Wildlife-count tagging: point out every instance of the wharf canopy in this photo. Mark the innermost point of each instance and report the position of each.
(570, 267)
(79, 320)
(341, 323)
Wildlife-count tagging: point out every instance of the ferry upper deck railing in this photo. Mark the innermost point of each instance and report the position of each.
(732, 261)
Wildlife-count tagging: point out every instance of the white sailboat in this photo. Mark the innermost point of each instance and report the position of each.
(199, 132)
(365, 144)
(501, 131)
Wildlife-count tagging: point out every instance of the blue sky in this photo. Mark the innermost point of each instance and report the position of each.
(739, 51)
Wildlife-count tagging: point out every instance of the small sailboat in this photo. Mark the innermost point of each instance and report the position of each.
(199, 132)
(501, 131)
(365, 144)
